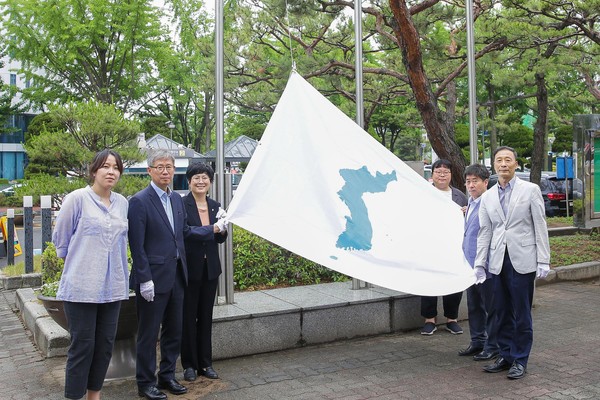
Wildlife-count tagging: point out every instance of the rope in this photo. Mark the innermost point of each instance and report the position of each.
(287, 20)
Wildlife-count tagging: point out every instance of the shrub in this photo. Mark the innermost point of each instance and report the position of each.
(259, 263)
(10, 201)
(52, 267)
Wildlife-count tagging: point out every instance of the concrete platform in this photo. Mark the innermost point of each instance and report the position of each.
(271, 320)
(278, 319)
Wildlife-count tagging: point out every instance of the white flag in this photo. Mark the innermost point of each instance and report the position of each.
(323, 188)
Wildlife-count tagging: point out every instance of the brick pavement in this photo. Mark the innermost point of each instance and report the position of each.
(563, 365)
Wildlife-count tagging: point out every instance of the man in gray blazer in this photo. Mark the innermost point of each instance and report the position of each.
(513, 236)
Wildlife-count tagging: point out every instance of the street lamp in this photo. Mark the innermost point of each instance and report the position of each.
(171, 126)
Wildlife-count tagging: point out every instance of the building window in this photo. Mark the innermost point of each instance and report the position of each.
(27, 83)
(13, 79)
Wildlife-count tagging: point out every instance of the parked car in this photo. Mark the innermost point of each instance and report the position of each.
(10, 191)
(553, 192)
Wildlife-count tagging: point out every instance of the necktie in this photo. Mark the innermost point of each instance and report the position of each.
(168, 210)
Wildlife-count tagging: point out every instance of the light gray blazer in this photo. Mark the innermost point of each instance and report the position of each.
(523, 229)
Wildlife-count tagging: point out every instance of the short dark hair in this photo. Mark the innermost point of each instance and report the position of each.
(199, 168)
(477, 170)
(504, 148)
(442, 162)
(99, 160)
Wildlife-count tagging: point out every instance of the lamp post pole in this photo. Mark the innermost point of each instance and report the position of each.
(471, 85)
(171, 126)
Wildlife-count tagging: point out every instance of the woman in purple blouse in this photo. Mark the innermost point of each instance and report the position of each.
(91, 236)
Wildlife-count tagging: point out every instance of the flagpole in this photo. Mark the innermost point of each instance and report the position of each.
(471, 80)
(219, 109)
(226, 281)
(358, 51)
(358, 68)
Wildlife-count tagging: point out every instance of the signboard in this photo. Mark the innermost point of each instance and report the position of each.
(564, 168)
(4, 226)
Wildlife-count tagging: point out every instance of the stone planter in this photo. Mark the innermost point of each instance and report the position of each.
(122, 363)
(18, 220)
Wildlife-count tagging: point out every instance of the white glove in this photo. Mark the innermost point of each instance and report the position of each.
(542, 271)
(222, 225)
(147, 290)
(479, 275)
(221, 213)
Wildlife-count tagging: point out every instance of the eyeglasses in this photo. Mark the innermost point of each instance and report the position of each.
(441, 172)
(162, 168)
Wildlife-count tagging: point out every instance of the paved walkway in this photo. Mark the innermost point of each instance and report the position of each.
(564, 363)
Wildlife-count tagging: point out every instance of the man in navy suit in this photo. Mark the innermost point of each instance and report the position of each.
(482, 316)
(157, 227)
(513, 246)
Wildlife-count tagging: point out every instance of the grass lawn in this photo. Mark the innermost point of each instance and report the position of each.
(574, 249)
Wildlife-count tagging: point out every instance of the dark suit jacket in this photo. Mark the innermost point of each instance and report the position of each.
(459, 197)
(154, 245)
(195, 249)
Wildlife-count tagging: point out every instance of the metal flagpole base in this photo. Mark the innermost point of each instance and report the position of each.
(122, 363)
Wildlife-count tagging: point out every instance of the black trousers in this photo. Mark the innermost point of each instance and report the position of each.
(196, 343)
(513, 299)
(451, 303)
(92, 328)
(163, 315)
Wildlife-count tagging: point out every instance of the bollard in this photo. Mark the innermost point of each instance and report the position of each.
(46, 221)
(10, 236)
(28, 228)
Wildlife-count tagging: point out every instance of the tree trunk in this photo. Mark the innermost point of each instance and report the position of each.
(538, 156)
(434, 120)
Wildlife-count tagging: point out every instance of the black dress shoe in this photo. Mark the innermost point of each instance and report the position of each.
(469, 351)
(151, 393)
(485, 355)
(209, 372)
(172, 386)
(189, 374)
(500, 365)
(516, 371)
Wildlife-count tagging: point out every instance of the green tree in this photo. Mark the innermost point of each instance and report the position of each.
(56, 153)
(87, 128)
(98, 126)
(45, 121)
(98, 49)
(8, 107)
(563, 139)
(187, 83)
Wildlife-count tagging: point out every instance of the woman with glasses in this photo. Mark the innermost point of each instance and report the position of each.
(442, 176)
(204, 268)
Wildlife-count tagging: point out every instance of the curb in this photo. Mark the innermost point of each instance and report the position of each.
(575, 272)
(22, 281)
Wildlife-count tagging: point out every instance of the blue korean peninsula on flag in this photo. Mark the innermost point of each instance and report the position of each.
(323, 188)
